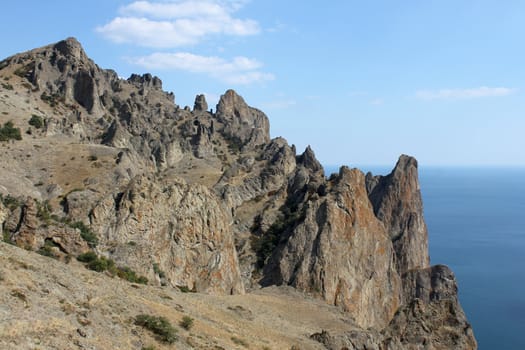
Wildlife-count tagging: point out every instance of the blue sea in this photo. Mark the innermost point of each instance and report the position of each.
(476, 225)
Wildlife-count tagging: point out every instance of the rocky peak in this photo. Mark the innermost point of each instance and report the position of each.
(200, 104)
(397, 202)
(247, 124)
(145, 80)
(308, 160)
(71, 49)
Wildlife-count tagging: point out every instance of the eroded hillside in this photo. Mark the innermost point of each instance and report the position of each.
(205, 201)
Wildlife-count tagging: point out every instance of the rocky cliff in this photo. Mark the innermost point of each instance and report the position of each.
(206, 201)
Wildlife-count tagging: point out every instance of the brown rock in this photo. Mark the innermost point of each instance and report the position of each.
(341, 252)
(181, 228)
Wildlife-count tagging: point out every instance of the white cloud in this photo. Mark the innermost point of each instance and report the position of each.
(239, 71)
(460, 94)
(176, 23)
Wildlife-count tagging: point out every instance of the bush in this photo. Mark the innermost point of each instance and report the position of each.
(86, 233)
(158, 325)
(47, 250)
(101, 264)
(265, 244)
(44, 211)
(186, 323)
(10, 202)
(36, 121)
(130, 275)
(93, 262)
(87, 257)
(158, 271)
(9, 132)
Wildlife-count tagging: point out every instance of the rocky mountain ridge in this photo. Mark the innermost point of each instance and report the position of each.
(207, 201)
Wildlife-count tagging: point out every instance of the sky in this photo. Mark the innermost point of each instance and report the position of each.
(360, 81)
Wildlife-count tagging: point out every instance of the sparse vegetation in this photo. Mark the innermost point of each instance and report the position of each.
(101, 264)
(235, 144)
(130, 275)
(265, 244)
(24, 71)
(186, 289)
(53, 99)
(87, 257)
(9, 132)
(6, 237)
(158, 271)
(186, 323)
(36, 121)
(240, 341)
(10, 202)
(158, 325)
(47, 250)
(86, 233)
(92, 158)
(44, 211)
(7, 86)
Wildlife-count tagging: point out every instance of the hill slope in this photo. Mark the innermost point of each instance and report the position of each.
(191, 199)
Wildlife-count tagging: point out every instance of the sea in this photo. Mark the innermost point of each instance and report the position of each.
(476, 225)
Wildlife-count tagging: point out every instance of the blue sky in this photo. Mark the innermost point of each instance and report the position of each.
(359, 81)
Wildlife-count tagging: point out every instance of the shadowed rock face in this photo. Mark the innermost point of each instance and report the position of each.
(216, 205)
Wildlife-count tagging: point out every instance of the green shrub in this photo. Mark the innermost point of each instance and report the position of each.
(24, 71)
(6, 237)
(158, 271)
(53, 99)
(86, 233)
(10, 202)
(44, 211)
(158, 325)
(7, 86)
(130, 275)
(87, 257)
(265, 244)
(93, 262)
(186, 323)
(101, 264)
(47, 250)
(36, 121)
(9, 132)
(186, 289)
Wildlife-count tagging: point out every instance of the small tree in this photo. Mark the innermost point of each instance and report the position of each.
(36, 121)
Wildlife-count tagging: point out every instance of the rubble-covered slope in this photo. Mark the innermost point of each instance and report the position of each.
(206, 201)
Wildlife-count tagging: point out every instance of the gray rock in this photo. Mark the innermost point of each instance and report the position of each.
(200, 104)
(397, 203)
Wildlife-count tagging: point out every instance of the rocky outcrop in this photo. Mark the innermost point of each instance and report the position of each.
(200, 104)
(396, 199)
(430, 318)
(206, 201)
(243, 124)
(182, 229)
(339, 250)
